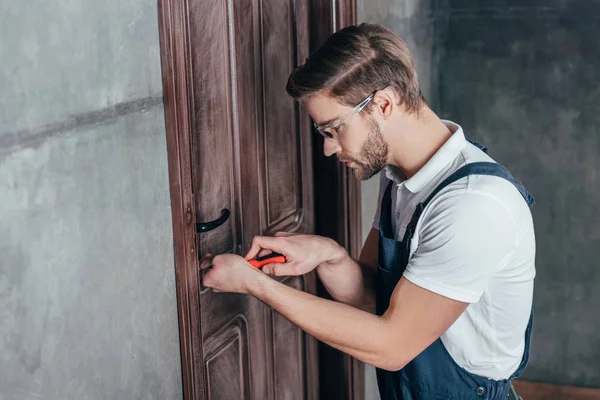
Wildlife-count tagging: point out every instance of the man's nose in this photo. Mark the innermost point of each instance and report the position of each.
(331, 147)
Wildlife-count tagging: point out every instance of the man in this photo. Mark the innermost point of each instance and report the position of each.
(441, 298)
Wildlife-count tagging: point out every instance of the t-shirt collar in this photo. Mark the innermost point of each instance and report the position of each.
(444, 156)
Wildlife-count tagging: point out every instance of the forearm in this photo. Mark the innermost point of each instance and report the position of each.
(349, 282)
(331, 322)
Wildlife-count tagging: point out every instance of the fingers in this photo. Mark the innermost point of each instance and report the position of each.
(263, 245)
(206, 261)
(208, 278)
(267, 269)
(254, 248)
(263, 252)
(204, 280)
(210, 286)
(276, 269)
(259, 243)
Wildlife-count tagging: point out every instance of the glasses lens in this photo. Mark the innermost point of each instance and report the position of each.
(325, 133)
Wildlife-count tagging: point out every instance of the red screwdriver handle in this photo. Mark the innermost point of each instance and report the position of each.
(268, 259)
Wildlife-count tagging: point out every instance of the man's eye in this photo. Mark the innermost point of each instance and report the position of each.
(338, 128)
(325, 133)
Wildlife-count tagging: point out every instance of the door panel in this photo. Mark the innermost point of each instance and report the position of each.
(285, 141)
(227, 366)
(248, 156)
(214, 101)
(282, 158)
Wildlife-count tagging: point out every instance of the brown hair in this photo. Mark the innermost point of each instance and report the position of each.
(356, 61)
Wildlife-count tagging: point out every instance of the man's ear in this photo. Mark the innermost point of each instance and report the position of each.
(385, 102)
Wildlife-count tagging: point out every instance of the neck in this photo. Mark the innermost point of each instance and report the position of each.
(416, 140)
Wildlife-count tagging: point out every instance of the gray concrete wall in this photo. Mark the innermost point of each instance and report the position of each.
(522, 78)
(87, 285)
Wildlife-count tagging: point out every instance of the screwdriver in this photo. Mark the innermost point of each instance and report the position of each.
(260, 262)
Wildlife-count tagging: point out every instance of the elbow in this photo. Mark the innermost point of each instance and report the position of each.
(391, 365)
(390, 354)
(390, 360)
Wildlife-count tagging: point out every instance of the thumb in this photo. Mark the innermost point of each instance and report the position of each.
(259, 243)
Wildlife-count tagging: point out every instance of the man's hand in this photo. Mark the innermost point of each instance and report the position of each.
(302, 252)
(229, 273)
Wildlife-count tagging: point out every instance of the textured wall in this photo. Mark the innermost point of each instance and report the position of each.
(522, 78)
(87, 286)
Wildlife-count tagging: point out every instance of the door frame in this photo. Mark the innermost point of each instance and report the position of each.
(337, 213)
(337, 198)
(175, 51)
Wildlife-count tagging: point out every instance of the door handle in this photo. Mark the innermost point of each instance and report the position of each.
(202, 227)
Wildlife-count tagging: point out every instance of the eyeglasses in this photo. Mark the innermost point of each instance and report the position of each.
(325, 130)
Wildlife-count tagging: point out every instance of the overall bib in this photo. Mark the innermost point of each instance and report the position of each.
(433, 374)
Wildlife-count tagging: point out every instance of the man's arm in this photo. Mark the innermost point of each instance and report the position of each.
(346, 280)
(415, 318)
(450, 269)
(352, 282)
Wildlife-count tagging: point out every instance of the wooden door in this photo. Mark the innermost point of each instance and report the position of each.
(250, 154)
(236, 141)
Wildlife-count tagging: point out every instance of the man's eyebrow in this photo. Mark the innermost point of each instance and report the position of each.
(326, 122)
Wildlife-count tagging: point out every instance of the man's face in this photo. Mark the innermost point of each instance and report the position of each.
(357, 141)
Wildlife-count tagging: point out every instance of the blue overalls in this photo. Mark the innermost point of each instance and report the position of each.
(433, 374)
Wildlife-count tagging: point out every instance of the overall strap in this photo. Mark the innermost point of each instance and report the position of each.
(385, 222)
(476, 168)
(482, 168)
(479, 146)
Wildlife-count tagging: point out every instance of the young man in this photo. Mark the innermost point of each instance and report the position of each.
(441, 298)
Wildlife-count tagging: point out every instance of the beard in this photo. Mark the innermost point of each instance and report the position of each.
(373, 154)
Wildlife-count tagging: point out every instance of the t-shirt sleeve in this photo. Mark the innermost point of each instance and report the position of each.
(463, 239)
(383, 182)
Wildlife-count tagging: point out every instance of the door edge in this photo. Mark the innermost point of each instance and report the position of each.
(174, 52)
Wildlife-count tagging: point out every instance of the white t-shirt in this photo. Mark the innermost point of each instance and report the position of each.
(474, 243)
